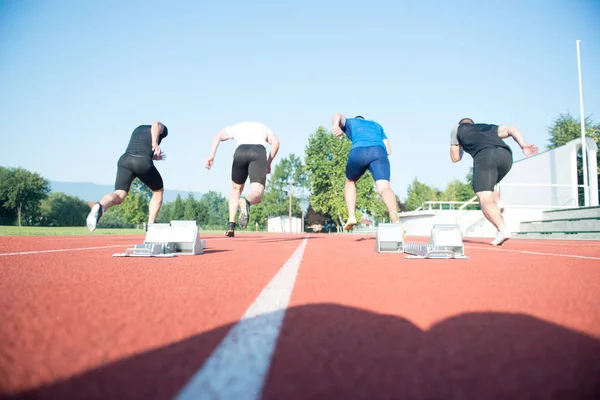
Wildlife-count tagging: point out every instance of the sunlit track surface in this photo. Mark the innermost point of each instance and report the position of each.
(516, 321)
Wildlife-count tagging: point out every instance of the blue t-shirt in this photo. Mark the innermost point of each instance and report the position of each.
(364, 133)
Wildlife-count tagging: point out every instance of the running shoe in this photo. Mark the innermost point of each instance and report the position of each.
(94, 216)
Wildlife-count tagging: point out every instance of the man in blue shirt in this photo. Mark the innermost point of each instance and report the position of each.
(370, 150)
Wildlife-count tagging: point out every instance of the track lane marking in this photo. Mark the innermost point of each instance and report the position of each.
(537, 253)
(238, 366)
(20, 253)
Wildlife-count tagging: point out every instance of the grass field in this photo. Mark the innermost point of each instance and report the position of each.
(81, 231)
(63, 231)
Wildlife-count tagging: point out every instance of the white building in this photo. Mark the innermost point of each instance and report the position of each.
(284, 224)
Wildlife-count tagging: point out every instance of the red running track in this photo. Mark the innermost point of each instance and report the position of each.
(519, 321)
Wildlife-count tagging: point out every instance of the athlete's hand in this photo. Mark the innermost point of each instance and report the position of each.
(209, 162)
(337, 131)
(156, 149)
(159, 157)
(530, 149)
(268, 168)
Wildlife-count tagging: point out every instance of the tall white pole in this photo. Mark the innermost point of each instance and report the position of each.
(583, 144)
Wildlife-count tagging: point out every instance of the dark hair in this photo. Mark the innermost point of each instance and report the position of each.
(359, 117)
(466, 121)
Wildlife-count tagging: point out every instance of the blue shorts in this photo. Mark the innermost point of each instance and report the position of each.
(373, 158)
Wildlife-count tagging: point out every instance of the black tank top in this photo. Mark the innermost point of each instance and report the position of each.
(140, 143)
(475, 137)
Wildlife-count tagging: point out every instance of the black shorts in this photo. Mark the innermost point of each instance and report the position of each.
(490, 166)
(249, 159)
(130, 167)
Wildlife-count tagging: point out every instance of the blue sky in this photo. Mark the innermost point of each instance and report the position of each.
(77, 77)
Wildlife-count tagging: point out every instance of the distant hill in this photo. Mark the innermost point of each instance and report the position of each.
(93, 192)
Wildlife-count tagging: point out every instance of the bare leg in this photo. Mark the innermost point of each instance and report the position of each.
(257, 191)
(98, 209)
(113, 199)
(350, 197)
(389, 198)
(256, 194)
(234, 199)
(498, 202)
(155, 204)
(493, 214)
(489, 209)
(496, 196)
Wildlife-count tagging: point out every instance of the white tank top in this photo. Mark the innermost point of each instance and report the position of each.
(248, 133)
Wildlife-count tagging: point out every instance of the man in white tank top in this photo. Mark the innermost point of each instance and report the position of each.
(249, 160)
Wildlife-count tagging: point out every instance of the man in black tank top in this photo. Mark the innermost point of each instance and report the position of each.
(492, 160)
(136, 162)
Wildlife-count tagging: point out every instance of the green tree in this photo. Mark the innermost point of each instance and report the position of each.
(566, 128)
(60, 209)
(288, 173)
(22, 191)
(418, 193)
(8, 215)
(201, 212)
(135, 207)
(470, 177)
(325, 159)
(178, 209)
(190, 209)
(458, 191)
(289, 170)
(113, 218)
(142, 188)
(217, 210)
(164, 215)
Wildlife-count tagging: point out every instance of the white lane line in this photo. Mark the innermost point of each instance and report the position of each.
(536, 253)
(239, 365)
(61, 250)
(82, 248)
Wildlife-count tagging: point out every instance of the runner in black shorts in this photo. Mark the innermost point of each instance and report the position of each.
(136, 162)
(492, 160)
(249, 160)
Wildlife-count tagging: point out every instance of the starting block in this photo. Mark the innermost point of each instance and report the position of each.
(168, 240)
(445, 242)
(389, 238)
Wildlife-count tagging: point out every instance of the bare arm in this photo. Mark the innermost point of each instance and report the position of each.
(274, 142)
(504, 131)
(221, 136)
(155, 132)
(338, 121)
(456, 152)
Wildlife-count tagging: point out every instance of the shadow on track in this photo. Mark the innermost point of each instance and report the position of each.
(327, 351)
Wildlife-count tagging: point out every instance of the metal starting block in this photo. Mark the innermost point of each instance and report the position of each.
(445, 242)
(389, 238)
(147, 250)
(168, 240)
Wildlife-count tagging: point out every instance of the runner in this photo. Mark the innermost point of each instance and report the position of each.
(249, 160)
(370, 150)
(136, 162)
(492, 160)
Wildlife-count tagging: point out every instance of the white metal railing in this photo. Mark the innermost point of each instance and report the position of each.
(438, 205)
(539, 184)
(430, 205)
